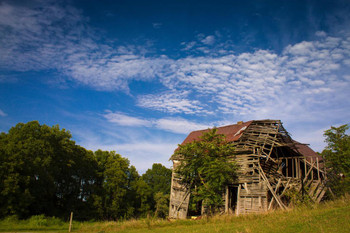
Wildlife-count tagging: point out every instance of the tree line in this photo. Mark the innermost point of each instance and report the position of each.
(43, 171)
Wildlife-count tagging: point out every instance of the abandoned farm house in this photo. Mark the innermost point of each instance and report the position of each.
(270, 163)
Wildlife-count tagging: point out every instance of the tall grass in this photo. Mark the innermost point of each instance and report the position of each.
(331, 216)
(34, 223)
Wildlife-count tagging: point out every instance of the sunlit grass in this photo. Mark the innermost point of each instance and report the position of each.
(331, 216)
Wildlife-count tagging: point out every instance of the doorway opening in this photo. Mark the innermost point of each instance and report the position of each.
(232, 198)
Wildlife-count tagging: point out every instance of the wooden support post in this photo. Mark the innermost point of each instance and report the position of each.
(238, 199)
(296, 168)
(70, 222)
(318, 169)
(293, 173)
(287, 168)
(304, 168)
(226, 200)
(311, 167)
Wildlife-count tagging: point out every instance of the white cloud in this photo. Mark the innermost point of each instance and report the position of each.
(172, 102)
(53, 36)
(2, 113)
(307, 82)
(309, 76)
(40, 38)
(122, 119)
(209, 40)
(179, 125)
(175, 125)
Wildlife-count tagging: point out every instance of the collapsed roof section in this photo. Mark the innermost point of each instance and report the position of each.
(232, 132)
(259, 136)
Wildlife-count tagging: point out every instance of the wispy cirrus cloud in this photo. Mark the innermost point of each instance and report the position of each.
(45, 36)
(175, 125)
(180, 125)
(171, 102)
(40, 35)
(122, 119)
(308, 79)
(253, 84)
(208, 40)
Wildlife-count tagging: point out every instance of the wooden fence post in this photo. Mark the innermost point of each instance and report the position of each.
(70, 222)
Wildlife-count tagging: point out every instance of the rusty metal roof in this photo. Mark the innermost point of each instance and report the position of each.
(306, 151)
(232, 132)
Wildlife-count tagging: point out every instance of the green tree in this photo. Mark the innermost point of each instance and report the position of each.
(144, 197)
(131, 196)
(158, 178)
(116, 185)
(162, 204)
(207, 166)
(43, 171)
(158, 181)
(337, 157)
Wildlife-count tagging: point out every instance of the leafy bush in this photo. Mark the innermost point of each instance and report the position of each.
(38, 220)
(296, 198)
(43, 221)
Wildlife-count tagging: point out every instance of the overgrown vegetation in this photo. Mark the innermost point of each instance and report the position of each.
(331, 216)
(43, 172)
(337, 157)
(297, 198)
(206, 167)
(34, 223)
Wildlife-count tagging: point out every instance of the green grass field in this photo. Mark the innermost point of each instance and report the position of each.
(332, 216)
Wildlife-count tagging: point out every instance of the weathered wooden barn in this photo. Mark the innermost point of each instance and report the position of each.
(270, 163)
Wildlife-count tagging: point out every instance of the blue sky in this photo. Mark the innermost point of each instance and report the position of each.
(137, 76)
